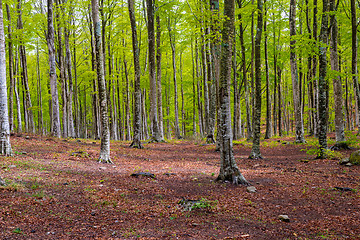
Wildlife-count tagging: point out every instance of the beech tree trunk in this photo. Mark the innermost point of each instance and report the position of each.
(11, 70)
(322, 108)
(354, 58)
(255, 151)
(228, 170)
(105, 134)
(299, 126)
(55, 118)
(136, 143)
(334, 59)
(152, 72)
(5, 146)
(268, 133)
(158, 77)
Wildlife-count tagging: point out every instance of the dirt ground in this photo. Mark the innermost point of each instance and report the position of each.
(57, 190)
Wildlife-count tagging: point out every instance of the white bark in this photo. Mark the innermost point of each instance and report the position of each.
(5, 146)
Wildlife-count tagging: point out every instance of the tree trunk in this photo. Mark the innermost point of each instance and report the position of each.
(173, 51)
(56, 130)
(244, 76)
(334, 59)
(136, 143)
(255, 151)
(152, 72)
(70, 93)
(268, 133)
(5, 146)
(158, 77)
(299, 131)
(105, 135)
(11, 70)
(228, 170)
(322, 108)
(354, 58)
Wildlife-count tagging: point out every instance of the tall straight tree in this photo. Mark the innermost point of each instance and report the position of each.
(334, 59)
(255, 151)
(354, 59)
(228, 170)
(322, 86)
(299, 126)
(152, 72)
(136, 143)
(5, 146)
(55, 118)
(105, 133)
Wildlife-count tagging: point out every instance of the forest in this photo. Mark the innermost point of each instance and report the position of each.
(176, 95)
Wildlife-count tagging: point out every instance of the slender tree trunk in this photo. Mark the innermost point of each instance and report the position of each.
(105, 135)
(173, 50)
(29, 119)
(11, 70)
(137, 91)
(334, 59)
(268, 133)
(228, 169)
(17, 96)
(244, 77)
(152, 72)
(5, 146)
(354, 60)
(255, 151)
(70, 93)
(158, 77)
(299, 131)
(40, 111)
(193, 90)
(314, 70)
(56, 130)
(322, 109)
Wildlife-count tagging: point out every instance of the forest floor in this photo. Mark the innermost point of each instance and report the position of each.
(57, 190)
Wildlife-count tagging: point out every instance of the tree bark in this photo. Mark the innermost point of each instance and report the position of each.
(255, 151)
(228, 170)
(322, 108)
(354, 58)
(56, 130)
(5, 146)
(105, 134)
(158, 77)
(334, 59)
(268, 133)
(11, 70)
(152, 72)
(136, 143)
(299, 126)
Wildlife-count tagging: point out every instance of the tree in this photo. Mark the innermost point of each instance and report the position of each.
(322, 86)
(152, 72)
(334, 60)
(354, 61)
(105, 134)
(55, 118)
(228, 170)
(136, 143)
(299, 126)
(5, 146)
(255, 151)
